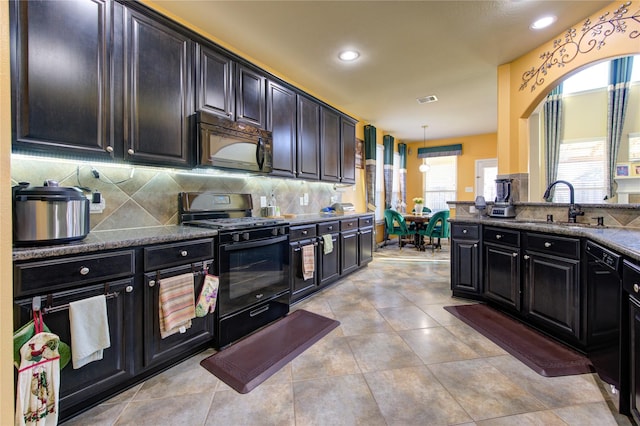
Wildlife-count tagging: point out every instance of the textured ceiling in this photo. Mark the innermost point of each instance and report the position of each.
(409, 49)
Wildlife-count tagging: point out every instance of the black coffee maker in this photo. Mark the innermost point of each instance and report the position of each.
(503, 205)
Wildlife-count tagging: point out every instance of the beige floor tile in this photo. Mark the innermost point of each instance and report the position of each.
(265, 405)
(343, 400)
(407, 318)
(356, 319)
(593, 414)
(382, 351)
(189, 409)
(482, 391)
(476, 341)
(413, 396)
(331, 356)
(438, 313)
(102, 415)
(437, 344)
(536, 418)
(382, 298)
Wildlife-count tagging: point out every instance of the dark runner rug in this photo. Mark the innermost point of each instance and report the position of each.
(539, 352)
(251, 361)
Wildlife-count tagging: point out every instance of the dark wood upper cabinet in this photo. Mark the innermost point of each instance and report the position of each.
(214, 81)
(250, 97)
(158, 92)
(281, 121)
(308, 143)
(330, 145)
(61, 78)
(348, 145)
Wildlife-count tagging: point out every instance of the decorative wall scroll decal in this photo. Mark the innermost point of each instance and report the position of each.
(593, 35)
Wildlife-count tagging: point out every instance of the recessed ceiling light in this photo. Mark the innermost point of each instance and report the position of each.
(349, 55)
(543, 22)
(427, 99)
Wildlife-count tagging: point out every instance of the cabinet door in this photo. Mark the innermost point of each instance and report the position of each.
(281, 121)
(329, 145)
(98, 378)
(158, 91)
(348, 144)
(465, 267)
(552, 289)
(330, 262)
(214, 83)
(250, 97)
(365, 246)
(502, 275)
(349, 249)
(62, 74)
(308, 144)
(634, 358)
(159, 351)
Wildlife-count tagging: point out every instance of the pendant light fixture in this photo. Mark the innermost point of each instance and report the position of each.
(424, 167)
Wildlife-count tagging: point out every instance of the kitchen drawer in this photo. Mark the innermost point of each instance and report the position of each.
(347, 225)
(465, 231)
(363, 222)
(328, 227)
(551, 244)
(631, 278)
(299, 232)
(166, 255)
(48, 275)
(501, 236)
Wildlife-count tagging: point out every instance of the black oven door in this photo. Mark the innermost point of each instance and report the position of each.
(251, 272)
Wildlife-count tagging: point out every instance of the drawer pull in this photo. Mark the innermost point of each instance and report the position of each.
(152, 283)
(129, 289)
(109, 149)
(305, 232)
(636, 287)
(130, 151)
(547, 244)
(514, 254)
(464, 231)
(526, 257)
(84, 270)
(475, 244)
(498, 236)
(259, 296)
(259, 311)
(330, 228)
(184, 253)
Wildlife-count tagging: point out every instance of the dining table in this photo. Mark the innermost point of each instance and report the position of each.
(420, 221)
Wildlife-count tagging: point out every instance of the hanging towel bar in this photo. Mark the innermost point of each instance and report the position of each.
(51, 309)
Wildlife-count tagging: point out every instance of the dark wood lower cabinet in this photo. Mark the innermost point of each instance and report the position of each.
(502, 275)
(365, 245)
(466, 275)
(349, 250)
(82, 387)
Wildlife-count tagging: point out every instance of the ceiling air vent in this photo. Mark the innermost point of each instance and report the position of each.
(427, 99)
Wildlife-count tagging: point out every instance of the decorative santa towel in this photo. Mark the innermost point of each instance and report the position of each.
(208, 296)
(38, 380)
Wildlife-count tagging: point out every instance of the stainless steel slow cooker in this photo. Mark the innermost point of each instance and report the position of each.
(49, 214)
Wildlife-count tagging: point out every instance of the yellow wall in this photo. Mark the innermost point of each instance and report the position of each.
(474, 148)
(515, 105)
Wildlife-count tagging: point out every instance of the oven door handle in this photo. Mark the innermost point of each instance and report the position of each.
(252, 244)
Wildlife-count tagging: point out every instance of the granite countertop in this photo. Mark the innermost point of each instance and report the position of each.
(108, 240)
(625, 241)
(125, 238)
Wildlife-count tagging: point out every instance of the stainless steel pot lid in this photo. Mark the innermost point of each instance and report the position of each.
(49, 192)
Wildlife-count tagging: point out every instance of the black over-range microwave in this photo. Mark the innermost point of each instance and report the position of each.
(230, 145)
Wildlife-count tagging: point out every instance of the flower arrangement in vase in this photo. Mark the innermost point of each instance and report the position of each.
(418, 205)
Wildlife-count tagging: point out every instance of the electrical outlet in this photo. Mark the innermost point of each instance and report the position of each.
(98, 207)
(263, 201)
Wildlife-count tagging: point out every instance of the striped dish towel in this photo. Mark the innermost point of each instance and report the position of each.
(308, 261)
(177, 304)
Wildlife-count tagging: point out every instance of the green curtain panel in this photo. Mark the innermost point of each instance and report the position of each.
(553, 122)
(370, 165)
(402, 151)
(388, 143)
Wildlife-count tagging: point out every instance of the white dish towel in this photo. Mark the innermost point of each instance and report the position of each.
(89, 330)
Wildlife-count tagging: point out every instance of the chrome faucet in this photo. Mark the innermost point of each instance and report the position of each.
(574, 209)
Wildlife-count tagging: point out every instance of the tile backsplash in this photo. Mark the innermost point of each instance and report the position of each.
(137, 196)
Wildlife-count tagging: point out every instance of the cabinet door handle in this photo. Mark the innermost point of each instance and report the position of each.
(84, 270)
(464, 231)
(130, 151)
(109, 149)
(526, 257)
(547, 244)
(152, 283)
(636, 287)
(183, 253)
(129, 289)
(305, 232)
(498, 236)
(514, 254)
(475, 244)
(330, 228)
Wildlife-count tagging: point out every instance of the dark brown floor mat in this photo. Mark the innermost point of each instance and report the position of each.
(540, 353)
(251, 361)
